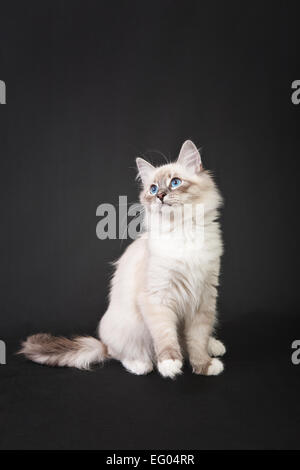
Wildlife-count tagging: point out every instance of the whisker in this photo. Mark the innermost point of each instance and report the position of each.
(161, 154)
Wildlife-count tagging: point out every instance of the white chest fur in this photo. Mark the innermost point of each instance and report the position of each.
(179, 266)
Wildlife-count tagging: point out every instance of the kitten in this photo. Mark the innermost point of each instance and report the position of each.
(163, 294)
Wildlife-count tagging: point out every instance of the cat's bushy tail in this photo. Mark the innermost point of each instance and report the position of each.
(80, 351)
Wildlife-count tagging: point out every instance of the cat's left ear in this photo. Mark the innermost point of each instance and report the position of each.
(189, 157)
(145, 169)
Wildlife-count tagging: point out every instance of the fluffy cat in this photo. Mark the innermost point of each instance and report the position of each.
(163, 294)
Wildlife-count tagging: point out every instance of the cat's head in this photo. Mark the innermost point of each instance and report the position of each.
(179, 183)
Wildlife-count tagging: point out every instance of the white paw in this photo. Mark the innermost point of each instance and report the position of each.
(215, 367)
(138, 367)
(215, 347)
(170, 367)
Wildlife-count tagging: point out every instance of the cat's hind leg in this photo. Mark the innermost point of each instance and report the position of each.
(128, 340)
(138, 366)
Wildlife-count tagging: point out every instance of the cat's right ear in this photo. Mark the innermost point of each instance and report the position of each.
(145, 169)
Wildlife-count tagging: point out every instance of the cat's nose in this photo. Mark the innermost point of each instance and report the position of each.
(161, 196)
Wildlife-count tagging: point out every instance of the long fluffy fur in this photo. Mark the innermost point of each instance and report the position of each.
(80, 352)
(163, 294)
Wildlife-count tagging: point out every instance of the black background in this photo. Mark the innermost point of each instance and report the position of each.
(91, 85)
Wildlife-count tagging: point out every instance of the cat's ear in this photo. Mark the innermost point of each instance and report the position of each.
(145, 169)
(189, 157)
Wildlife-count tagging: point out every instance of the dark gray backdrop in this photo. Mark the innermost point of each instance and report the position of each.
(90, 86)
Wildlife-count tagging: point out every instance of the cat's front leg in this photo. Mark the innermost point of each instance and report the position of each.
(162, 324)
(198, 331)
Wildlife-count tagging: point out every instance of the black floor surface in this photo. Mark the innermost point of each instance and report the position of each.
(254, 404)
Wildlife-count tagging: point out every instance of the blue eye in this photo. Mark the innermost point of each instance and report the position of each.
(176, 182)
(153, 189)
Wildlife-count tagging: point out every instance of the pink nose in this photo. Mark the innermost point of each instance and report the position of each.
(161, 196)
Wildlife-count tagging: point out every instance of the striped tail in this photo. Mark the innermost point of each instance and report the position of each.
(80, 352)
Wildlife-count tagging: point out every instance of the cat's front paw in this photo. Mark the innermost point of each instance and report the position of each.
(213, 367)
(216, 347)
(170, 367)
